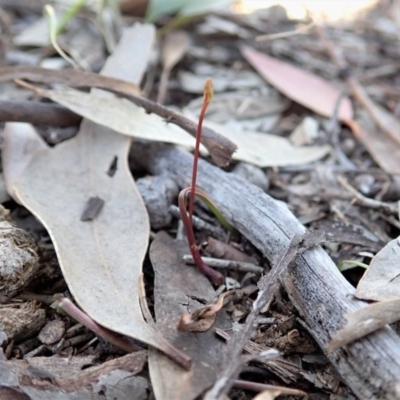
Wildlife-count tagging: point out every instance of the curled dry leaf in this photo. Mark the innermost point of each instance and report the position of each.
(365, 321)
(202, 319)
(101, 259)
(381, 280)
(309, 90)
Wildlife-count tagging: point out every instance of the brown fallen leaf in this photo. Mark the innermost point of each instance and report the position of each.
(384, 150)
(101, 260)
(203, 318)
(365, 321)
(381, 280)
(177, 288)
(173, 49)
(386, 122)
(301, 86)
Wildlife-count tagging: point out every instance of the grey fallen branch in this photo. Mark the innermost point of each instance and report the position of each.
(226, 264)
(370, 366)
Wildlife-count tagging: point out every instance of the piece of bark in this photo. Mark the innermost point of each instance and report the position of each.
(370, 366)
(64, 379)
(37, 113)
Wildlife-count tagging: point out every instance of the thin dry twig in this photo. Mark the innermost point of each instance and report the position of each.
(273, 36)
(259, 387)
(220, 148)
(360, 199)
(226, 264)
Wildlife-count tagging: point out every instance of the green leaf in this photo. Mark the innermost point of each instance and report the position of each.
(158, 8)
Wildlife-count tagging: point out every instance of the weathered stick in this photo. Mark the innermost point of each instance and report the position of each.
(370, 366)
(36, 113)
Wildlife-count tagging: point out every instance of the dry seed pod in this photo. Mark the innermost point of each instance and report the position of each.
(18, 258)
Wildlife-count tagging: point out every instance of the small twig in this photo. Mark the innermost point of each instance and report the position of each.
(260, 387)
(281, 35)
(226, 264)
(360, 199)
(333, 130)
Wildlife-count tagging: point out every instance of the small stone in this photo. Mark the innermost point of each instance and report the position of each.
(52, 332)
(158, 193)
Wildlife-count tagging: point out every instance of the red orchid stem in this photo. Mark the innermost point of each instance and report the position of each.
(208, 94)
(216, 277)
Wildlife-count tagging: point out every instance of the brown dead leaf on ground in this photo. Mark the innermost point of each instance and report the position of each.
(173, 49)
(384, 150)
(176, 289)
(203, 318)
(299, 85)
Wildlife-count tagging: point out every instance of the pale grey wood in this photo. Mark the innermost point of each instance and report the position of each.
(370, 366)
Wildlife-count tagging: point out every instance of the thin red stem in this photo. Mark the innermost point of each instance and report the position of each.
(196, 157)
(215, 276)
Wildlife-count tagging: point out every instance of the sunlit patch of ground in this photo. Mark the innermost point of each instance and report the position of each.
(328, 10)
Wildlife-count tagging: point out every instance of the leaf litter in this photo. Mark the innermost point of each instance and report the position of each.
(369, 171)
(101, 259)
